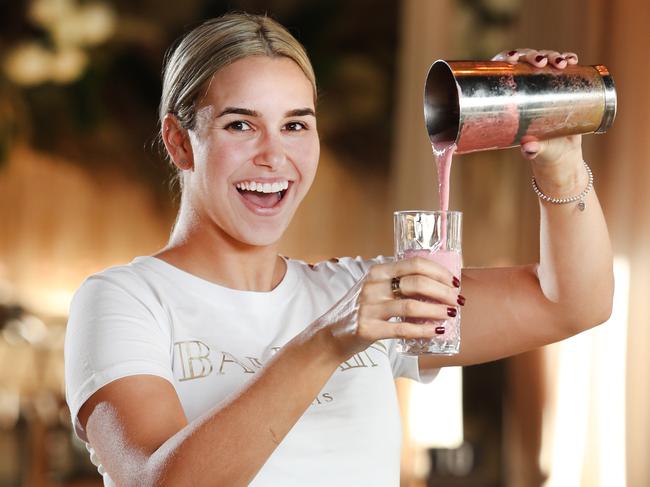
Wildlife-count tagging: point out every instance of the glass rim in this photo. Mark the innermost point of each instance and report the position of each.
(428, 212)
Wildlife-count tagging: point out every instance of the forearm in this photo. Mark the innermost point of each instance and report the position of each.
(575, 267)
(228, 446)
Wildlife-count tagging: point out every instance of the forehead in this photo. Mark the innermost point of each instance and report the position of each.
(258, 82)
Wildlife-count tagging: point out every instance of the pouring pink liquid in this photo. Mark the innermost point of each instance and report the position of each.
(443, 155)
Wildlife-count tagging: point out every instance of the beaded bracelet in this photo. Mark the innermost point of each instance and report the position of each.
(562, 201)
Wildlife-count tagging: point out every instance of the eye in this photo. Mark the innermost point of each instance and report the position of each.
(295, 126)
(239, 126)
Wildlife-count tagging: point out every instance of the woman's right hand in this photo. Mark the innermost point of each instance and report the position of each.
(427, 291)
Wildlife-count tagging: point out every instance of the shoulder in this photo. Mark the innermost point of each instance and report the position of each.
(125, 287)
(115, 306)
(134, 277)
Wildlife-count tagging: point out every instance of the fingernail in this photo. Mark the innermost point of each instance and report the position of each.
(539, 58)
(440, 330)
(461, 300)
(512, 53)
(451, 312)
(456, 282)
(558, 60)
(531, 152)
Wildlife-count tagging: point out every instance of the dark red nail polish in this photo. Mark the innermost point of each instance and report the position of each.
(440, 330)
(512, 53)
(456, 282)
(539, 58)
(451, 312)
(461, 300)
(558, 60)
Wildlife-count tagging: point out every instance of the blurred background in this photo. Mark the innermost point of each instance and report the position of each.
(83, 186)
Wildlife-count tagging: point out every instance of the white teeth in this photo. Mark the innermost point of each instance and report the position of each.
(263, 187)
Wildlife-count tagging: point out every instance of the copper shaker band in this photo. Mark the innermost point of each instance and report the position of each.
(610, 99)
(483, 105)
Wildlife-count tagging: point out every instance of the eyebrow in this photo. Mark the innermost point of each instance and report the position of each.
(298, 112)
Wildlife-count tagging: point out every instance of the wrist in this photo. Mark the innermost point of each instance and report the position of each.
(325, 344)
(579, 198)
(562, 180)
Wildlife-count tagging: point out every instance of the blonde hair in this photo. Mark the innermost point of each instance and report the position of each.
(215, 44)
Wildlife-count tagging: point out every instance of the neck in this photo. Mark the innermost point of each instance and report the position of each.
(204, 250)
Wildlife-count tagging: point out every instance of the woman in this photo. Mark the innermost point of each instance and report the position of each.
(218, 362)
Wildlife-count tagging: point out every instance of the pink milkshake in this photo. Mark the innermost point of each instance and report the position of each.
(447, 339)
(436, 236)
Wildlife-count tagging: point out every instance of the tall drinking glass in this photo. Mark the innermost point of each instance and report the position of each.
(434, 235)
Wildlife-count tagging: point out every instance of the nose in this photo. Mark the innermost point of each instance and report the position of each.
(270, 152)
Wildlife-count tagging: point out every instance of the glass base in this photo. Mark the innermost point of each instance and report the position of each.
(423, 346)
(445, 343)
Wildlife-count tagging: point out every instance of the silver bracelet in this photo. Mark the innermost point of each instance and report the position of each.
(562, 201)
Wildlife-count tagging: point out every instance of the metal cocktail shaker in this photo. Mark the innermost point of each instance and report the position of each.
(483, 105)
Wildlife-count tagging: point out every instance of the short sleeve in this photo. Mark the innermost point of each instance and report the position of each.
(407, 365)
(358, 266)
(112, 333)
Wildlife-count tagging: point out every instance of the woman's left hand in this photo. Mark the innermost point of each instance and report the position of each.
(553, 152)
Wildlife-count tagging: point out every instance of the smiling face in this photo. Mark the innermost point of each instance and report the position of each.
(254, 150)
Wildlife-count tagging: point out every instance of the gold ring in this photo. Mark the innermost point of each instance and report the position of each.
(394, 287)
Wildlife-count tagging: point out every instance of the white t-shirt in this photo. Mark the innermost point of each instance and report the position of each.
(149, 317)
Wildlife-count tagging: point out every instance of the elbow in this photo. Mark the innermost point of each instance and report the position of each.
(578, 321)
(603, 301)
(600, 313)
(606, 309)
(595, 310)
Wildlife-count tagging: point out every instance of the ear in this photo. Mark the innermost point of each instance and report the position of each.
(177, 143)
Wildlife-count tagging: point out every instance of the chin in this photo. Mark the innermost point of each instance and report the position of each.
(260, 237)
(261, 241)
